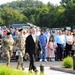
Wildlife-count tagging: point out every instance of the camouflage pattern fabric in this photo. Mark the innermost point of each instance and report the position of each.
(20, 46)
(7, 47)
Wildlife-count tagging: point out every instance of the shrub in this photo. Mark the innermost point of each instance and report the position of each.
(7, 71)
(68, 62)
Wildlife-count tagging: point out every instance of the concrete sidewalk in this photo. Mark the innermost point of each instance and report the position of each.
(47, 71)
(47, 65)
(26, 64)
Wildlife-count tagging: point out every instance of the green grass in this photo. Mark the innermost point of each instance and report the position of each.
(10, 71)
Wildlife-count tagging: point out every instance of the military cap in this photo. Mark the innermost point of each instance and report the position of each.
(8, 33)
(20, 30)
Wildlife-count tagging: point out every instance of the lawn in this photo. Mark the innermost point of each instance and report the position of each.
(10, 71)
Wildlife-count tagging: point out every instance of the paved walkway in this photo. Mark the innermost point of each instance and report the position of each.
(47, 65)
(47, 71)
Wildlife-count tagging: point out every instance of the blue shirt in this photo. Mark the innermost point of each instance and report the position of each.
(60, 39)
(14, 37)
(43, 40)
(47, 34)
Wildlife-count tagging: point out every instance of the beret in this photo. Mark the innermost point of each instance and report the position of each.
(20, 30)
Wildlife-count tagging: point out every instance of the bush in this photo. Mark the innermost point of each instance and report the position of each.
(68, 62)
(7, 71)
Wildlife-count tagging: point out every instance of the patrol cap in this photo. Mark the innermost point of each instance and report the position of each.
(20, 30)
(8, 33)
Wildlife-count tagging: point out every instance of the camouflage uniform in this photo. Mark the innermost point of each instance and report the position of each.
(20, 43)
(7, 47)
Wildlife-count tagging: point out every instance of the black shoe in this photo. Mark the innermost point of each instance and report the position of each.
(36, 71)
(23, 69)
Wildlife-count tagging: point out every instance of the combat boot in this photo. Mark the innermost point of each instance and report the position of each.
(22, 65)
(18, 66)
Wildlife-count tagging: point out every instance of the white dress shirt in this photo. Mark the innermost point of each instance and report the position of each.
(34, 37)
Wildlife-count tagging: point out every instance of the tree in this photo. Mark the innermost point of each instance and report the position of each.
(11, 16)
(67, 3)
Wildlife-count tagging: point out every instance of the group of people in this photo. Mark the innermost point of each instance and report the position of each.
(65, 43)
(37, 43)
(24, 42)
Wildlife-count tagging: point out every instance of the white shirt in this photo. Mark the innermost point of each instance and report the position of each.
(34, 37)
(38, 33)
(17, 53)
(69, 38)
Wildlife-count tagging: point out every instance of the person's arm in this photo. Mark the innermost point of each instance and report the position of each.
(26, 45)
(55, 41)
(39, 45)
(65, 42)
(3, 45)
(73, 39)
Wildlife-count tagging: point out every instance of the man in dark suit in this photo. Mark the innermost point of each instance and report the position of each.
(32, 45)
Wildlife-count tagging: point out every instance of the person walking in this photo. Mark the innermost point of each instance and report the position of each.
(20, 47)
(7, 47)
(32, 45)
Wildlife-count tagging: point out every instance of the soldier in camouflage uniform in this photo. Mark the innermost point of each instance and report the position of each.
(20, 43)
(7, 47)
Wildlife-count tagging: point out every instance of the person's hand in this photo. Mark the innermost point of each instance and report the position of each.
(56, 46)
(40, 52)
(27, 54)
(64, 47)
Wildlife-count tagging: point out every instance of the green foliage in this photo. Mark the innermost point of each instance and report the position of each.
(68, 62)
(67, 3)
(22, 4)
(38, 13)
(7, 71)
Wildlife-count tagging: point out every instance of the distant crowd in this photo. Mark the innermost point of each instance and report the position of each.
(55, 44)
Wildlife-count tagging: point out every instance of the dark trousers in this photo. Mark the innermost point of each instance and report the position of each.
(31, 65)
(72, 53)
(60, 51)
(68, 49)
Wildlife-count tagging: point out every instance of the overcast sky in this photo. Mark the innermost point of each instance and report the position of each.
(51, 1)
(45, 1)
